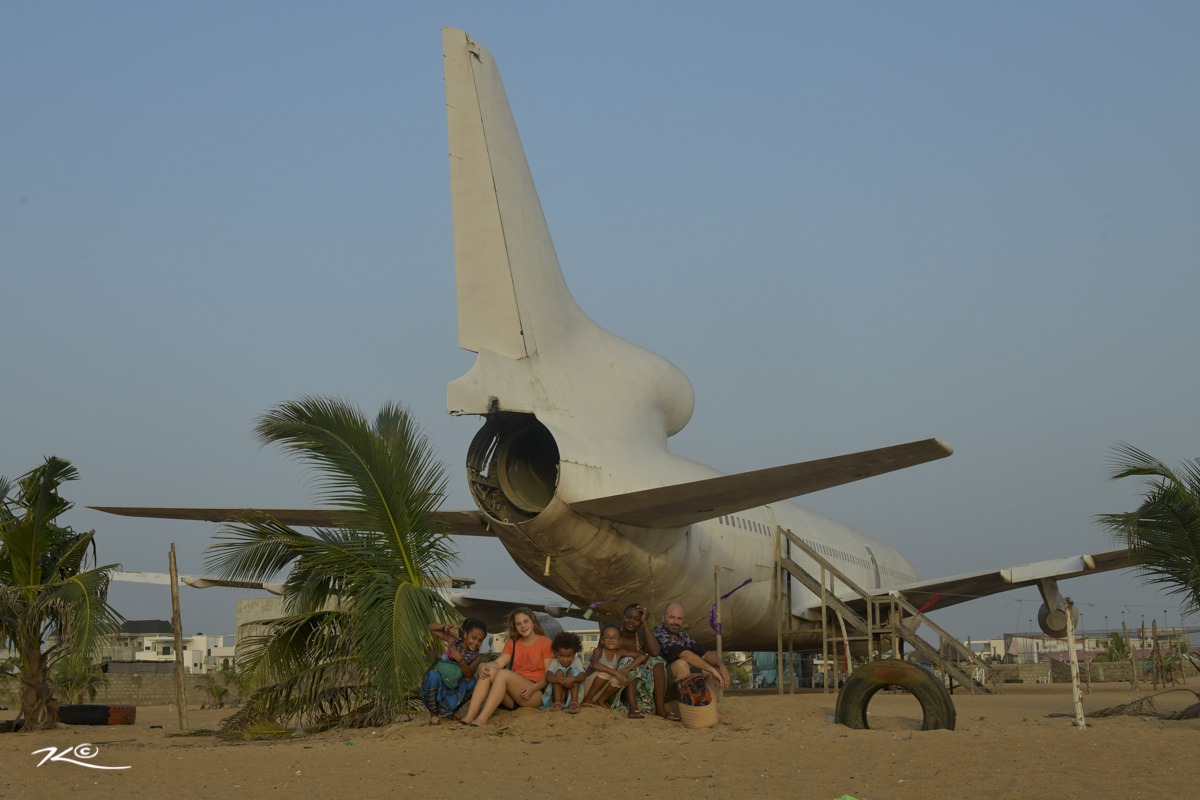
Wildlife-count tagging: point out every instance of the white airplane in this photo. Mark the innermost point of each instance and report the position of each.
(571, 470)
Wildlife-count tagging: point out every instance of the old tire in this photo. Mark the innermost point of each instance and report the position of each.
(936, 706)
(96, 715)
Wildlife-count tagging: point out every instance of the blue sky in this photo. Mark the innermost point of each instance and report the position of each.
(850, 224)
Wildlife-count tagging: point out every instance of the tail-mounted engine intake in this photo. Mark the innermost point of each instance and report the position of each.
(512, 467)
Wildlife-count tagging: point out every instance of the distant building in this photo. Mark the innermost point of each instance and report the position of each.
(149, 640)
(1033, 648)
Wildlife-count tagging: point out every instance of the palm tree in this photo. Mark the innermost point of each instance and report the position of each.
(1163, 533)
(1116, 649)
(48, 593)
(359, 597)
(78, 680)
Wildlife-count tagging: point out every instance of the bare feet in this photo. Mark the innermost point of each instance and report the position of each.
(573, 709)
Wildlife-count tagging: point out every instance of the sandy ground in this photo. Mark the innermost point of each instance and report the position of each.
(770, 746)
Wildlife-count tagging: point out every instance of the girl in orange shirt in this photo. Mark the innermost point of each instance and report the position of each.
(518, 676)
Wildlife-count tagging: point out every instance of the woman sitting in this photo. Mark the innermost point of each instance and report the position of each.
(651, 675)
(518, 676)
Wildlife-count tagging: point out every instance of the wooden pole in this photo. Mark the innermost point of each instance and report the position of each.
(824, 634)
(177, 627)
(1156, 659)
(1076, 695)
(1133, 662)
(717, 595)
(779, 578)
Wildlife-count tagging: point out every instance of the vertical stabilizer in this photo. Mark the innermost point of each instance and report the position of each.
(511, 292)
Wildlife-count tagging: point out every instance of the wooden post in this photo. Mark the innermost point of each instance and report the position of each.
(837, 679)
(779, 578)
(1076, 695)
(1156, 659)
(177, 627)
(717, 595)
(1133, 662)
(824, 634)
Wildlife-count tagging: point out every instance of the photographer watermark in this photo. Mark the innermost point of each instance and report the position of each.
(69, 755)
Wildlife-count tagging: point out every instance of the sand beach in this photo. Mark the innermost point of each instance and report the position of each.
(765, 746)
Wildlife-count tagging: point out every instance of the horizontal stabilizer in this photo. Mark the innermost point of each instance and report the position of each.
(461, 523)
(930, 595)
(685, 503)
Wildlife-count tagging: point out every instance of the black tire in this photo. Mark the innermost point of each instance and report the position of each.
(96, 715)
(936, 706)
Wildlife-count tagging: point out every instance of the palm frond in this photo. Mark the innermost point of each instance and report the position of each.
(256, 550)
(384, 476)
(88, 620)
(355, 639)
(1163, 533)
(395, 634)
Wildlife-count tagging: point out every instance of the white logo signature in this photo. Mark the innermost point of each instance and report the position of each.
(85, 750)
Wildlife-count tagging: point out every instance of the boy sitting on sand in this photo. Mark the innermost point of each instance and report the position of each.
(565, 675)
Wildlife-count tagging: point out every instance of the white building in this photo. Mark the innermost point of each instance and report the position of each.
(153, 641)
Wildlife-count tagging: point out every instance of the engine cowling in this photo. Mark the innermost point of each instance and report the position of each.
(1054, 622)
(512, 467)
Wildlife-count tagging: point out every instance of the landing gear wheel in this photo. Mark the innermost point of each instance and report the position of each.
(936, 706)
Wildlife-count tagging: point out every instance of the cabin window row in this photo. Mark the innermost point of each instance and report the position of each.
(734, 521)
(833, 552)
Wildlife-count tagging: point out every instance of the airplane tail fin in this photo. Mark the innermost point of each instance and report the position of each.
(511, 293)
(538, 351)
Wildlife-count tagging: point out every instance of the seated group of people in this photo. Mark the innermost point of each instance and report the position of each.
(627, 670)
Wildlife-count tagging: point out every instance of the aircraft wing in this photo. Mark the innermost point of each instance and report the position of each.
(461, 523)
(685, 503)
(195, 581)
(943, 592)
(491, 606)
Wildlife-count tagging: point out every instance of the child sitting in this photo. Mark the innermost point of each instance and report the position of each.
(450, 681)
(609, 672)
(565, 674)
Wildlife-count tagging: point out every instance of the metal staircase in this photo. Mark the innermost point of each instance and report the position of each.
(874, 617)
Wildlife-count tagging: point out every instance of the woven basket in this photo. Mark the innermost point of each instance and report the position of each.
(698, 716)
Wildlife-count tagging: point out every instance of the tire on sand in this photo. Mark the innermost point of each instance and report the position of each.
(936, 706)
(96, 715)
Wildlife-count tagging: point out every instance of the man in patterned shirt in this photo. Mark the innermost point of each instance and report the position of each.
(683, 653)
